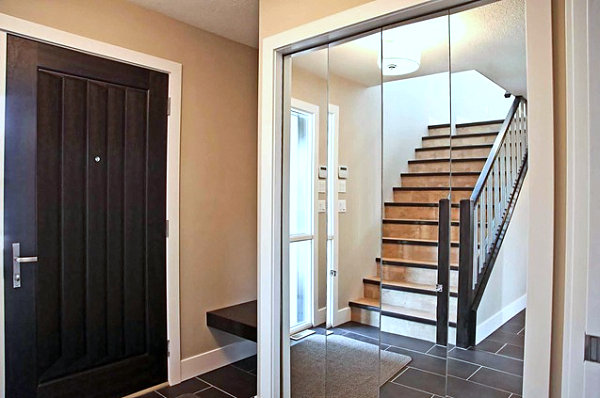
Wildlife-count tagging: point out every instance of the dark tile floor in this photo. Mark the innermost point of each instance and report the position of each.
(492, 369)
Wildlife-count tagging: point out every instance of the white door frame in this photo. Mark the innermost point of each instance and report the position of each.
(541, 175)
(577, 256)
(313, 111)
(17, 26)
(333, 313)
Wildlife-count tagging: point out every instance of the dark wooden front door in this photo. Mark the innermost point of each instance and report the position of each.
(85, 192)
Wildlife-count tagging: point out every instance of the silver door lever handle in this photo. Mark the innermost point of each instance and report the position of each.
(26, 259)
(17, 260)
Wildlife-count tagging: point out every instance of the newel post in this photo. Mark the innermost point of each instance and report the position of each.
(466, 317)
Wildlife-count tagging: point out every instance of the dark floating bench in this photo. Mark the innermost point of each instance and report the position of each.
(239, 320)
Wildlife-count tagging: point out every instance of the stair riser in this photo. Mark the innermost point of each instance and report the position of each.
(366, 317)
(425, 276)
(429, 196)
(413, 329)
(432, 167)
(400, 327)
(415, 301)
(371, 291)
(417, 213)
(458, 140)
(439, 181)
(415, 231)
(416, 252)
(489, 128)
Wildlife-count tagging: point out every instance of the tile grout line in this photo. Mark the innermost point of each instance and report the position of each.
(215, 387)
(486, 367)
(485, 385)
(500, 349)
(243, 370)
(473, 374)
(414, 388)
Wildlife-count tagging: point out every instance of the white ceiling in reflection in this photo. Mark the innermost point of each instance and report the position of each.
(489, 39)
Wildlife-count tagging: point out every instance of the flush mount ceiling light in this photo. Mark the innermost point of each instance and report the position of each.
(399, 66)
(400, 57)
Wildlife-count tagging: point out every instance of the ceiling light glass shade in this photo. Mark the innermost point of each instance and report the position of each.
(400, 57)
(399, 66)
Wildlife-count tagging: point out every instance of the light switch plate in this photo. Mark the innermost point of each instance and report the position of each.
(322, 206)
(342, 172)
(342, 186)
(342, 205)
(323, 172)
(322, 186)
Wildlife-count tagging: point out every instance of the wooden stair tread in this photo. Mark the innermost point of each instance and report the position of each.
(432, 188)
(469, 124)
(439, 173)
(417, 263)
(418, 204)
(428, 317)
(448, 160)
(413, 241)
(441, 147)
(407, 285)
(465, 135)
(414, 221)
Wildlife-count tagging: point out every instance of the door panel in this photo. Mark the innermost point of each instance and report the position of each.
(86, 192)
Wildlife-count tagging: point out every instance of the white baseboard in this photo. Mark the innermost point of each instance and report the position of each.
(211, 360)
(343, 315)
(320, 316)
(490, 325)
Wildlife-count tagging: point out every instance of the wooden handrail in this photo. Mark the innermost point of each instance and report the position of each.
(494, 152)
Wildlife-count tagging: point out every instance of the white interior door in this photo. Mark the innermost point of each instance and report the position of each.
(303, 249)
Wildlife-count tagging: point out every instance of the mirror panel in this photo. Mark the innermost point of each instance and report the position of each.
(354, 87)
(305, 143)
(416, 188)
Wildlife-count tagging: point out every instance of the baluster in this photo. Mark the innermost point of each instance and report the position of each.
(481, 229)
(497, 187)
(488, 240)
(503, 175)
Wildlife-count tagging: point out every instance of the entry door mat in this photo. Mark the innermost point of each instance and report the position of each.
(341, 367)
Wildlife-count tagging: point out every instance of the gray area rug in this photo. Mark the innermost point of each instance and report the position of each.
(349, 369)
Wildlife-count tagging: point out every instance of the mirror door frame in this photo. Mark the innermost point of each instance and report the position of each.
(270, 173)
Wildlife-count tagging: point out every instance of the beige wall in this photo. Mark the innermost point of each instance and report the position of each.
(218, 147)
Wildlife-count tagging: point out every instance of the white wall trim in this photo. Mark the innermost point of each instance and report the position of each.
(10, 24)
(343, 315)
(577, 198)
(214, 359)
(490, 325)
(540, 270)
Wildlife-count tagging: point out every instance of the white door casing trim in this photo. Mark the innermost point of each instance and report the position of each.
(27, 29)
(577, 240)
(539, 284)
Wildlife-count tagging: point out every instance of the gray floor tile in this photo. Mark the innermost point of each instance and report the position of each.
(499, 380)
(459, 388)
(189, 386)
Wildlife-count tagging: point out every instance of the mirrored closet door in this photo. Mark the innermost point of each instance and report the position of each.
(405, 151)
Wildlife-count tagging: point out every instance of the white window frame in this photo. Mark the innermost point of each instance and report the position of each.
(34, 31)
(541, 176)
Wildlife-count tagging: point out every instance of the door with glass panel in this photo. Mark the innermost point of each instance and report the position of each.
(303, 117)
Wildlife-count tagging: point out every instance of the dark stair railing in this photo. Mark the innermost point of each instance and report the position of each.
(484, 218)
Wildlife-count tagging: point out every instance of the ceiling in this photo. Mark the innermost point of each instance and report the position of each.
(236, 20)
(489, 39)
